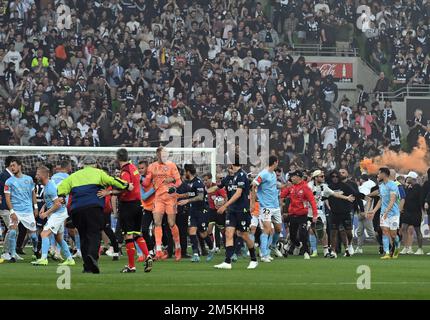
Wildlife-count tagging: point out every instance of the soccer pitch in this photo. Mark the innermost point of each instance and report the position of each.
(408, 277)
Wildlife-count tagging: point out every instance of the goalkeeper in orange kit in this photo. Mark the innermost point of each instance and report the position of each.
(165, 178)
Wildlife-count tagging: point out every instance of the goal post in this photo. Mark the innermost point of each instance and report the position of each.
(32, 156)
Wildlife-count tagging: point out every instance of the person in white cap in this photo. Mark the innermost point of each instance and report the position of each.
(412, 215)
(321, 192)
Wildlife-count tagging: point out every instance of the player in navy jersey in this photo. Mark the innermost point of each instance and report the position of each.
(238, 216)
(198, 219)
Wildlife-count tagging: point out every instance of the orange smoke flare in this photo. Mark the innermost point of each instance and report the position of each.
(417, 160)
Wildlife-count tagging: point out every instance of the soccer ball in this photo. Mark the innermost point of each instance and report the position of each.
(219, 201)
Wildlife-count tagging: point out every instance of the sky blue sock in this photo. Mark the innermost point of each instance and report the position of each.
(139, 252)
(313, 241)
(386, 243)
(34, 241)
(52, 241)
(45, 247)
(263, 244)
(275, 239)
(77, 241)
(65, 249)
(396, 241)
(12, 242)
(269, 243)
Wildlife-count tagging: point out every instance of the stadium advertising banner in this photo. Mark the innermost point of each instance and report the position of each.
(341, 71)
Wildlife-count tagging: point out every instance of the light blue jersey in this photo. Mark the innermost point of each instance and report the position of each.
(267, 191)
(50, 194)
(385, 189)
(58, 178)
(21, 193)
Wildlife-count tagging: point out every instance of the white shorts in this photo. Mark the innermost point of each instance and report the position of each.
(27, 220)
(270, 215)
(55, 222)
(255, 222)
(391, 222)
(5, 214)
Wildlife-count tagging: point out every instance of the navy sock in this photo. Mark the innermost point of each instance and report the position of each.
(228, 253)
(194, 243)
(252, 254)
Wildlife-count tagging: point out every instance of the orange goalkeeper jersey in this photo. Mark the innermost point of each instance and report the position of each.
(158, 172)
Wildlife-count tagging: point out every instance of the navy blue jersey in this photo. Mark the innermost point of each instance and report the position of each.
(227, 183)
(196, 187)
(240, 180)
(3, 177)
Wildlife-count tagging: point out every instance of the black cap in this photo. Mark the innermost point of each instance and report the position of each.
(297, 173)
(364, 177)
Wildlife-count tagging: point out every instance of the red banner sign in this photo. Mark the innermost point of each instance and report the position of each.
(341, 72)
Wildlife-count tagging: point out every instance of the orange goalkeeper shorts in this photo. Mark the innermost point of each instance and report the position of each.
(165, 203)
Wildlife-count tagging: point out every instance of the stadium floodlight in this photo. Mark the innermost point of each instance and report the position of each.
(32, 156)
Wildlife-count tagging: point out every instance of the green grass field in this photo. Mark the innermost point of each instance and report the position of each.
(293, 278)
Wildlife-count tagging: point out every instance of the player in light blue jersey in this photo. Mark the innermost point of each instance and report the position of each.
(22, 203)
(268, 196)
(56, 213)
(390, 213)
(61, 173)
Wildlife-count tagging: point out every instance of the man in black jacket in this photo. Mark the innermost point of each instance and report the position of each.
(341, 213)
(412, 216)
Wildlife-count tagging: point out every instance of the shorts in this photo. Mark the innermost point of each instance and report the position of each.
(55, 222)
(255, 221)
(411, 219)
(270, 215)
(5, 214)
(199, 219)
(240, 220)
(69, 223)
(165, 204)
(216, 218)
(40, 223)
(130, 217)
(27, 220)
(341, 219)
(391, 222)
(320, 220)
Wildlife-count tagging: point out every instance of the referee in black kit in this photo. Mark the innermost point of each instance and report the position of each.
(87, 207)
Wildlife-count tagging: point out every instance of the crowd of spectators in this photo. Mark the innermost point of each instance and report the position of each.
(397, 35)
(121, 72)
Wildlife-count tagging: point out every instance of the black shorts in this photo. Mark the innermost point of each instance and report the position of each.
(130, 217)
(69, 223)
(214, 217)
(411, 219)
(40, 223)
(341, 219)
(199, 219)
(238, 219)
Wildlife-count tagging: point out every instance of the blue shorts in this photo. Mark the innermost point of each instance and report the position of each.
(240, 220)
(199, 219)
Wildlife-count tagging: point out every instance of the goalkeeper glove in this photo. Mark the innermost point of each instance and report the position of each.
(172, 190)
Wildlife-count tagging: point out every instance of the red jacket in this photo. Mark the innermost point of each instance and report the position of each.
(300, 197)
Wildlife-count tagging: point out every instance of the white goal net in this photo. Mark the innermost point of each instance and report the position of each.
(203, 158)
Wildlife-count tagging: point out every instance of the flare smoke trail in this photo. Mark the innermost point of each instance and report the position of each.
(418, 160)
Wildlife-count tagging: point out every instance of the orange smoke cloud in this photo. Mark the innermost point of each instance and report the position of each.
(417, 160)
